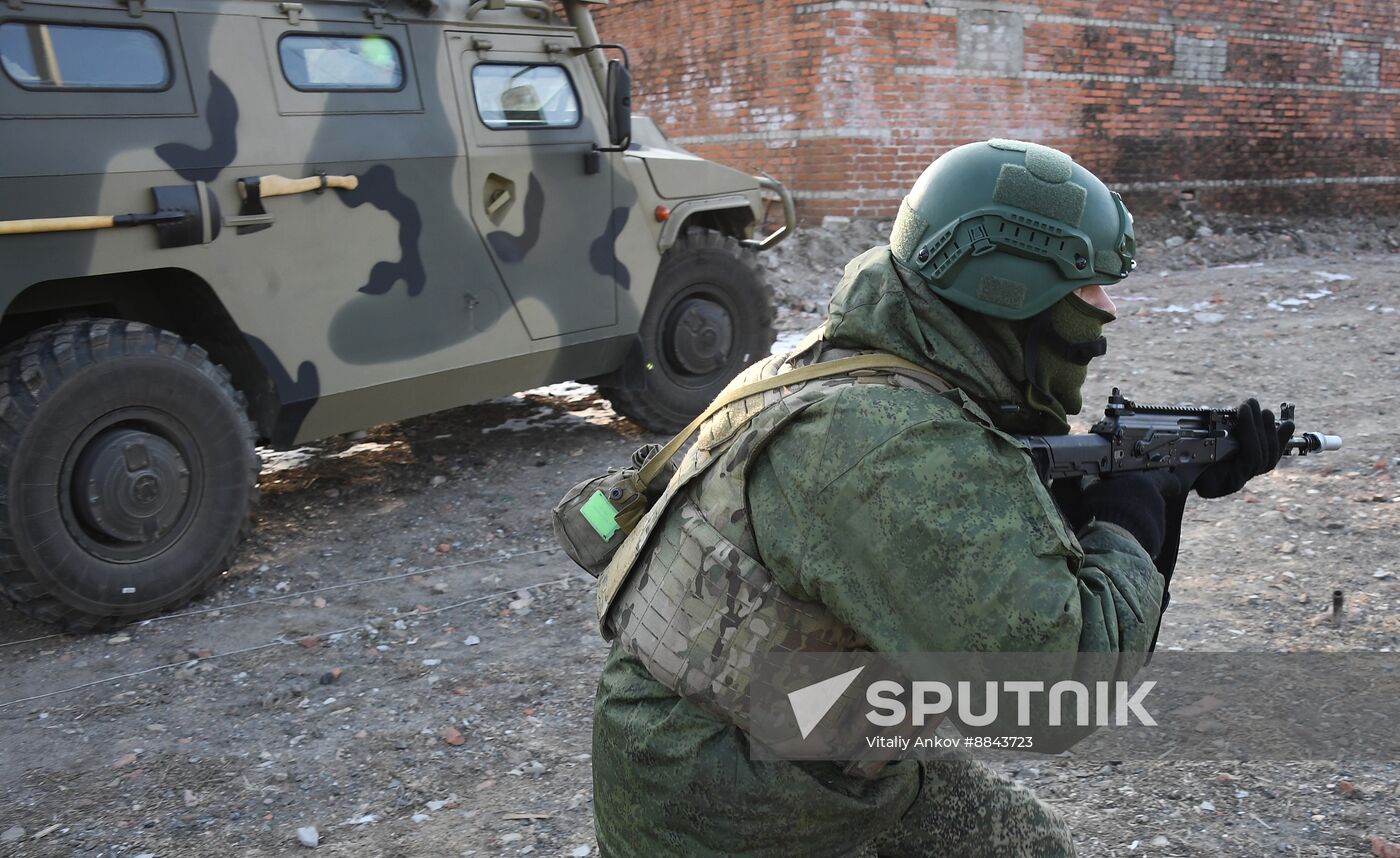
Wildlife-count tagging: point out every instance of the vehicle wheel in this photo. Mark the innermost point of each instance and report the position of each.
(710, 315)
(128, 471)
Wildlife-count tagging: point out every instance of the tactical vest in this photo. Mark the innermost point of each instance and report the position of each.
(686, 593)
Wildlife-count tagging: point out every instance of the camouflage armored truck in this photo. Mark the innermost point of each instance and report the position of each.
(232, 222)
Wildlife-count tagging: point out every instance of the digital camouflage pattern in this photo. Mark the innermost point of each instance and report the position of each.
(702, 611)
(469, 262)
(922, 527)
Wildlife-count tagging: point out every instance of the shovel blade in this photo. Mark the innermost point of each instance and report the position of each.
(199, 220)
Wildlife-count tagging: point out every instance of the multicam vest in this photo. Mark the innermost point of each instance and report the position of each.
(686, 593)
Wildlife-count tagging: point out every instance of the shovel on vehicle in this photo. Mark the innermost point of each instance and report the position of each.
(185, 215)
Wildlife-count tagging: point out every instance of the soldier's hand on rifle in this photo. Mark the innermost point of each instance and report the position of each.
(1261, 441)
(1135, 502)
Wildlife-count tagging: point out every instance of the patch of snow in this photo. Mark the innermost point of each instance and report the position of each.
(1329, 277)
(1177, 308)
(274, 461)
(787, 341)
(362, 447)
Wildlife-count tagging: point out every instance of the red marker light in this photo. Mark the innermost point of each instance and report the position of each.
(663, 214)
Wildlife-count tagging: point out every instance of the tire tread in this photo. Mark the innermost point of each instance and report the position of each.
(637, 405)
(31, 369)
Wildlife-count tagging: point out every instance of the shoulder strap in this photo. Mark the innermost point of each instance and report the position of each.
(797, 375)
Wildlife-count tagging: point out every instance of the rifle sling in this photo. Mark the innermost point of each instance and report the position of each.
(797, 375)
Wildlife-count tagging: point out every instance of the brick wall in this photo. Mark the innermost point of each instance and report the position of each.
(1257, 105)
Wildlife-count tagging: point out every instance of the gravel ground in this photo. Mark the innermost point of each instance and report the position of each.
(402, 661)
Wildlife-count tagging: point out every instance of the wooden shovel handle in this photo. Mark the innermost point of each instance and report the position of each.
(281, 186)
(55, 224)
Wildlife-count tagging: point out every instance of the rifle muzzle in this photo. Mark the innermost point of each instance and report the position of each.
(1312, 442)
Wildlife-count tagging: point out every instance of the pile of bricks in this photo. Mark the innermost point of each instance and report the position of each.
(1252, 105)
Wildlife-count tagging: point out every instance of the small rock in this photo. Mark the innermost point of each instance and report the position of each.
(452, 736)
(1209, 318)
(420, 817)
(472, 640)
(156, 728)
(436, 805)
(1207, 805)
(437, 481)
(581, 851)
(123, 761)
(330, 676)
(443, 548)
(318, 602)
(1159, 841)
(432, 662)
(190, 798)
(11, 834)
(512, 837)
(1175, 241)
(1287, 548)
(309, 837)
(1382, 574)
(310, 642)
(1204, 231)
(1381, 848)
(118, 639)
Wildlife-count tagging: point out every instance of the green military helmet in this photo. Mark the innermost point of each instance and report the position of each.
(1007, 229)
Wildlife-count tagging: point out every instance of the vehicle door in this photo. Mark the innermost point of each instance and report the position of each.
(532, 117)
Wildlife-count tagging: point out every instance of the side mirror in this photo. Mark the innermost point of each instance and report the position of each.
(619, 104)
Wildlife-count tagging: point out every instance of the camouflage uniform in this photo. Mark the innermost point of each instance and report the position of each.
(921, 527)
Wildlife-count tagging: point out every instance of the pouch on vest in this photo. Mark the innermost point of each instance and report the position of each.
(593, 517)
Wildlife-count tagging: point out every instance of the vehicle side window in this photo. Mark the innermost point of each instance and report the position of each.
(524, 96)
(83, 57)
(317, 63)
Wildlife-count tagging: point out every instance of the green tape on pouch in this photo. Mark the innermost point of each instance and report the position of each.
(601, 514)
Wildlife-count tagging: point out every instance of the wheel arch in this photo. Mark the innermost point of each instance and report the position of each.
(174, 299)
(731, 215)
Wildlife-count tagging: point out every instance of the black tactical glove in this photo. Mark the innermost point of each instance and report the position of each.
(1136, 502)
(1261, 442)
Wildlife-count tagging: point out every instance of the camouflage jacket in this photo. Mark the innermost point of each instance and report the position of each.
(920, 525)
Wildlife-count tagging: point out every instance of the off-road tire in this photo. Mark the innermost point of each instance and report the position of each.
(715, 270)
(103, 403)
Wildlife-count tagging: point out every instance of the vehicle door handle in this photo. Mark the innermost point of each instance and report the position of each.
(499, 201)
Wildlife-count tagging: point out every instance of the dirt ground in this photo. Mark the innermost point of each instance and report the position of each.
(401, 660)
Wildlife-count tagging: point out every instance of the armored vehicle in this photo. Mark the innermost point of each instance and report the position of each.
(233, 222)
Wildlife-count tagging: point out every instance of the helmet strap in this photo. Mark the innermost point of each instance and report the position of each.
(1038, 332)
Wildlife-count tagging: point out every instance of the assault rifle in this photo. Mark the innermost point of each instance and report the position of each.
(1133, 437)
